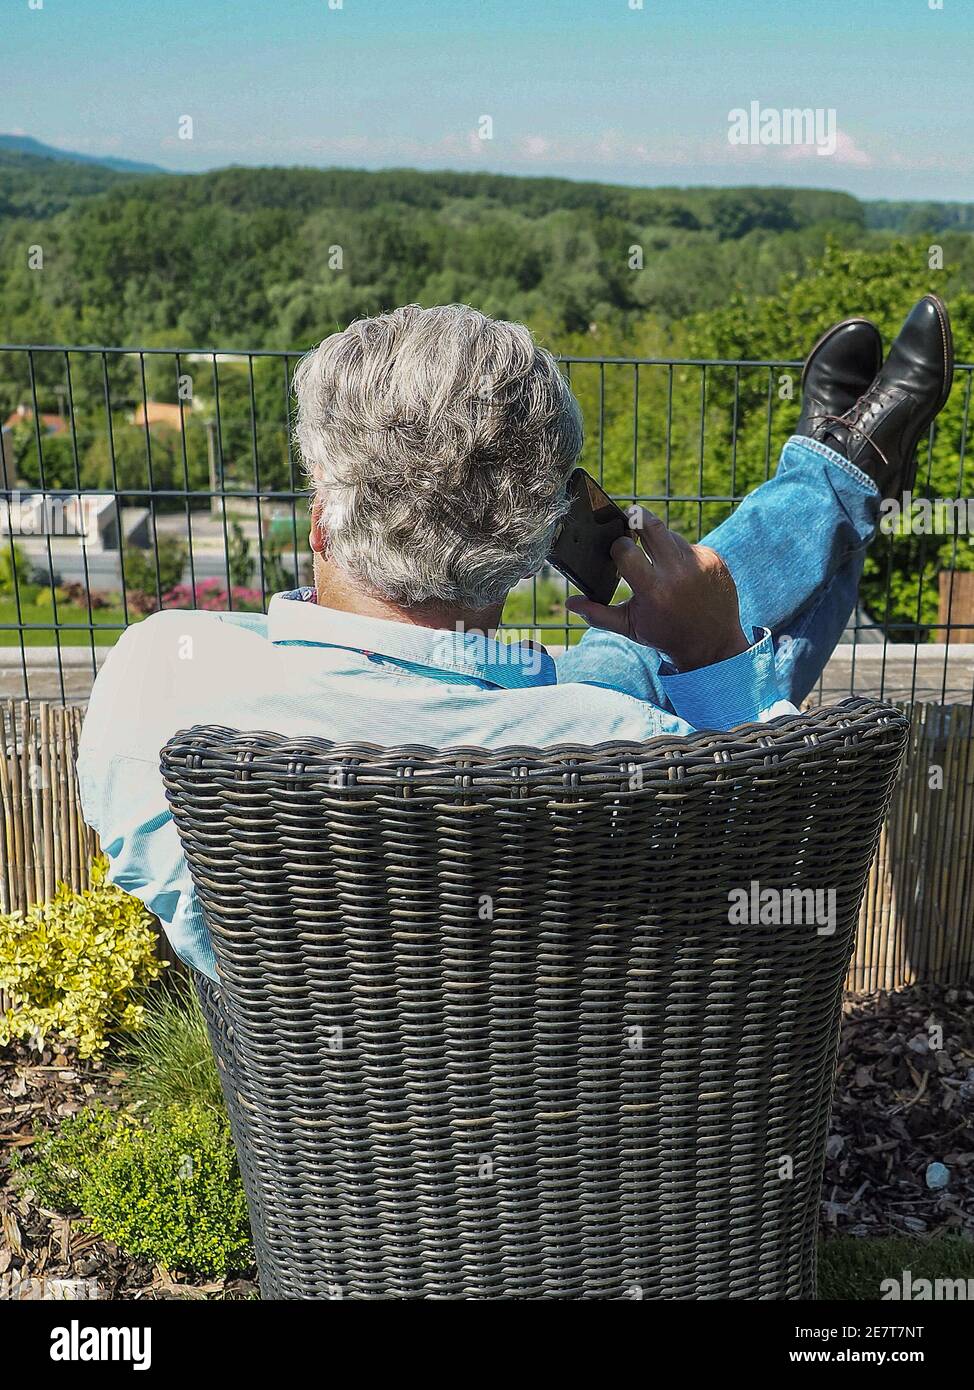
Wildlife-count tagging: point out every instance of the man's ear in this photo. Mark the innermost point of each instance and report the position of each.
(319, 536)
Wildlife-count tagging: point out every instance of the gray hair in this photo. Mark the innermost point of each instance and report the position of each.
(439, 442)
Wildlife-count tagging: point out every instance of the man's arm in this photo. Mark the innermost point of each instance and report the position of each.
(795, 547)
(684, 605)
(122, 793)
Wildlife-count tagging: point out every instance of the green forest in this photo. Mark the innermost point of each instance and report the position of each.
(269, 259)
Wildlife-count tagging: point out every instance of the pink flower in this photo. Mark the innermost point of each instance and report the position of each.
(211, 597)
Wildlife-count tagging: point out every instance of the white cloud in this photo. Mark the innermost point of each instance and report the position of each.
(846, 151)
(535, 151)
(535, 146)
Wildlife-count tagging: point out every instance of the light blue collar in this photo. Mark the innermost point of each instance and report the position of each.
(509, 665)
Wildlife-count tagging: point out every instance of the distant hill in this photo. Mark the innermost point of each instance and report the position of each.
(26, 144)
(37, 187)
(913, 219)
(273, 256)
(728, 212)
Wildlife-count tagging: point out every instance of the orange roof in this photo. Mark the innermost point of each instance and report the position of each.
(159, 413)
(53, 424)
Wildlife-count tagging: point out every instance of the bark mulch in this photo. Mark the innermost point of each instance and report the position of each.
(904, 1101)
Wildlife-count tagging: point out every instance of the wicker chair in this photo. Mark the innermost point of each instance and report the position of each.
(484, 1025)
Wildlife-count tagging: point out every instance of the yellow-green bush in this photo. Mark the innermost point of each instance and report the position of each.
(166, 1188)
(74, 969)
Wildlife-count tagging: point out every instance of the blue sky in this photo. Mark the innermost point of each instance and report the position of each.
(580, 88)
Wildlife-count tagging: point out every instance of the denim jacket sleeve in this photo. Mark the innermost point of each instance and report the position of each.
(741, 690)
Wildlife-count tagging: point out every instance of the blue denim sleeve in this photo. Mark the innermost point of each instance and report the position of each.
(741, 690)
(605, 658)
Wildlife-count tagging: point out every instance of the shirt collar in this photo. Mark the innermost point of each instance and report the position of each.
(510, 665)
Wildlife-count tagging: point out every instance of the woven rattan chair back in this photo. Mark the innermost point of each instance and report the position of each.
(489, 1023)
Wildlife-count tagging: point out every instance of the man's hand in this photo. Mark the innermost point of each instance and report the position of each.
(684, 599)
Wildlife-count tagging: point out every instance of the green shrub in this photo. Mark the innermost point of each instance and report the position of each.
(19, 563)
(167, 1190)
(75, 968)
(140, 565)
(239, 555)
(74, 594)
(56, 1166)
(169, 1061)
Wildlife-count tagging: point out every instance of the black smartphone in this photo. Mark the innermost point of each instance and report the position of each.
(582, 543)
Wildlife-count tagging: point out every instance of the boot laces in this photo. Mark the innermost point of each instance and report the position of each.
(851, 421)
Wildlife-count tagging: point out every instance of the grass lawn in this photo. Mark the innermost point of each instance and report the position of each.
(854, 1267)
(69, 615)
(519, 611)
(545, 606)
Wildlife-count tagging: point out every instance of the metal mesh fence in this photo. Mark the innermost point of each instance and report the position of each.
(144, 478)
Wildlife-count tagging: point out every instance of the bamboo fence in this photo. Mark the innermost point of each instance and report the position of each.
(43, 837)
(917, 917)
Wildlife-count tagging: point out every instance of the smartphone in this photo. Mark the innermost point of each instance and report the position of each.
(582, 543)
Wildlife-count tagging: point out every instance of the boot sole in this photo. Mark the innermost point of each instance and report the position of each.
(909, 480)
(948, 333)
